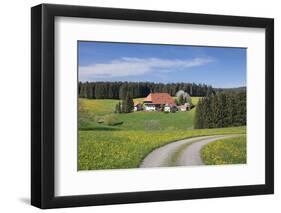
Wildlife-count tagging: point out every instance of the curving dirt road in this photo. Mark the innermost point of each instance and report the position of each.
(180, 153)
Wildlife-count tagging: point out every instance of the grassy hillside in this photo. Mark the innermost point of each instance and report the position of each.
(91, 111)
(132, 136)
(97, 106)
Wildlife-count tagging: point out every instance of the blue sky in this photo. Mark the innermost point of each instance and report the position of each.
(106, 61)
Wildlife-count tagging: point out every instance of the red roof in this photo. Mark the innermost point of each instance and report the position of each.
(160, 98)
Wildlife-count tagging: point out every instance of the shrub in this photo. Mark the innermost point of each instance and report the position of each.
(173, 109)
(111, 120)
(99, 119)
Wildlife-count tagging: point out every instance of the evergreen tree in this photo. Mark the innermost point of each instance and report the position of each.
(124, 105)
(122, 91)
(118, 108)
(181, 100)
(198, 119)
(127, 104)
(241, 109)
(208, 113)
(223, 109)
(118, 90)
(130, 104)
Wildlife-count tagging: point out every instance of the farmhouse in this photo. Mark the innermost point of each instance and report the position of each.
(137, 106)
(184, 107)
(155, 101)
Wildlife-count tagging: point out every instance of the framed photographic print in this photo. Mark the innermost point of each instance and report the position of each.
(139, 106)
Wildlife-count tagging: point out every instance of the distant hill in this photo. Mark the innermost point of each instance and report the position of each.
(235, 89)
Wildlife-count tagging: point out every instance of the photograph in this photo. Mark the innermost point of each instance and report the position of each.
(160, 105)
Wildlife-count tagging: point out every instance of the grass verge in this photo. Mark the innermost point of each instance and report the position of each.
(225, 151)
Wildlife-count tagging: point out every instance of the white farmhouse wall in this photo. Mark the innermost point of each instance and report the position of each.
(149, 108)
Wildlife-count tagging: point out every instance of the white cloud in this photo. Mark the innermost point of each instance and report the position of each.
(137, 66)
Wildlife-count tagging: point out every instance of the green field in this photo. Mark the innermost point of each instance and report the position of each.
(225, 151)
(90, 111)
(126, 149)
(133, 136)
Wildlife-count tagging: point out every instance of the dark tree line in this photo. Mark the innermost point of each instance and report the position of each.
(119, 90)
(126, 106)
(223, 109)
(235, 89)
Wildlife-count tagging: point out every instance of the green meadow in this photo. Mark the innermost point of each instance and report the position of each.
(91, 111)
(225, 151)
(109, 140)
(126, 149)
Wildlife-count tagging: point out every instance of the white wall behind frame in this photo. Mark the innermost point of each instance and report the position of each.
(15, 64)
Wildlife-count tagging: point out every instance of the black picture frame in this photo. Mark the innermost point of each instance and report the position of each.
(43, 102)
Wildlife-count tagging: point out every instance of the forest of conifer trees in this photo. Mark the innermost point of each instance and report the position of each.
(119, 90)
(223, 109)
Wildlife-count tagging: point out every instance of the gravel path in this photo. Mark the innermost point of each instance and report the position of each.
(180, 153)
